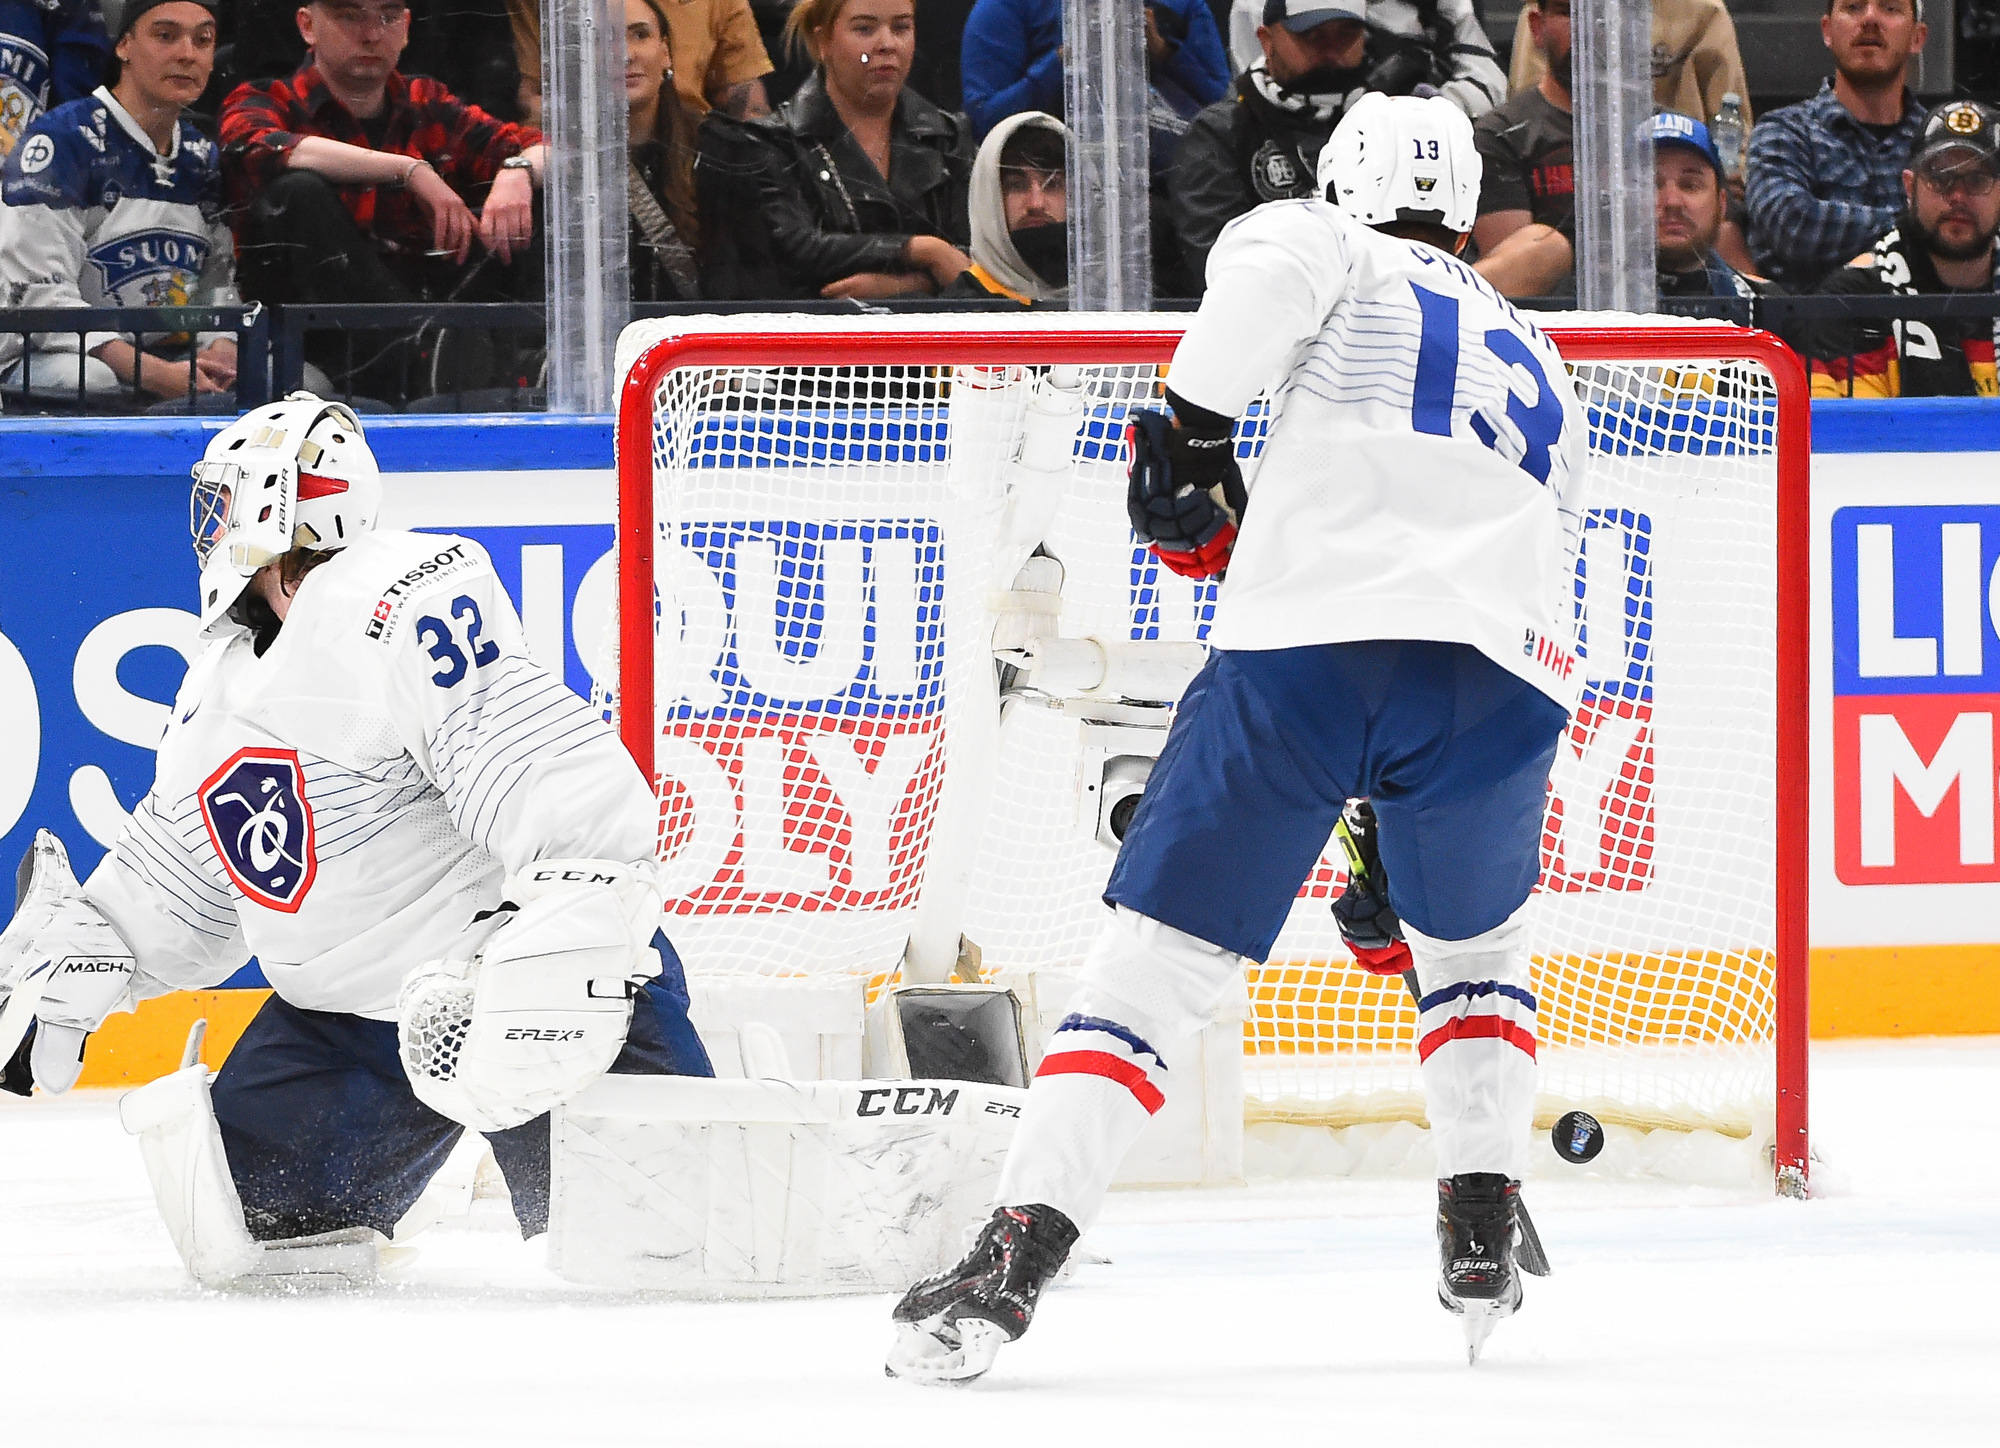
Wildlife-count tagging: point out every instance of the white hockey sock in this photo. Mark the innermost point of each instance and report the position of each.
(1476, 1039)
(1146, 988)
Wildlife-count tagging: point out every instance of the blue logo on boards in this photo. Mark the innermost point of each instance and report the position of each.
(261, 826)
(842, 619)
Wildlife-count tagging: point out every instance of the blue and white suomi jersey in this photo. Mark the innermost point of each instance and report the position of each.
(344, 805)
(1424, 470)
(92, 214)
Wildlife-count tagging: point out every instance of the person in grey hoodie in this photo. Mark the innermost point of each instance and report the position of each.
(1020, 212)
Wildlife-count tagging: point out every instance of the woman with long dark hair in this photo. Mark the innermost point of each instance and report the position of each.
(659, 177)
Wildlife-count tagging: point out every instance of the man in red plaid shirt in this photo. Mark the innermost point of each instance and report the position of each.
(351, 183)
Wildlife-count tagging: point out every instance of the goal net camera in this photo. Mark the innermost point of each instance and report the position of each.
(898, 666)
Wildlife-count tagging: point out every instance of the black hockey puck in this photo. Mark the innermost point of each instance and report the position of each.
(1577, 1137)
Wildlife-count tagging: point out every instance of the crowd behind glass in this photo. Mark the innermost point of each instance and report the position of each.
(167, 152)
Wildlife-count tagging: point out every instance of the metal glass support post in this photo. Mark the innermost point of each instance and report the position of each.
(583, 199)
(1616, 267)
(1105, 97)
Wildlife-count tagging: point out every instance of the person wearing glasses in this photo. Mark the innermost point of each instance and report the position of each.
(351, 183)
(1942, 244)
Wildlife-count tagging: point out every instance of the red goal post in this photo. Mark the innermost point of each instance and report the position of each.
(717, 346)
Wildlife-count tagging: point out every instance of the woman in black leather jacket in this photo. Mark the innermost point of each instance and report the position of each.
(855, 187)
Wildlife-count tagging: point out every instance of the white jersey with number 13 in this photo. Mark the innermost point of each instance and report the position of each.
(1424, 472)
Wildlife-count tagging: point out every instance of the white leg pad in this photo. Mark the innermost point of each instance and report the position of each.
(764, 1188)
(182, 1148)
(1147, 988)
(1476, 1038)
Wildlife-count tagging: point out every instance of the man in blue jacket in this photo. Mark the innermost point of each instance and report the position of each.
(51, 51)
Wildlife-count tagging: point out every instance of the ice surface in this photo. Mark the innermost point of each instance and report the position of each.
(1680, 1316)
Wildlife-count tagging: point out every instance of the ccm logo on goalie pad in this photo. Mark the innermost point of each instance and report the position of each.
(907, 1101)
(257, 817)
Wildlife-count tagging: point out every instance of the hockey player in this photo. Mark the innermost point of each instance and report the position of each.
(441, 856)
(1395, 625)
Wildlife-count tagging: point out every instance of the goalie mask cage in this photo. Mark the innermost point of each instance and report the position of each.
(818, 526)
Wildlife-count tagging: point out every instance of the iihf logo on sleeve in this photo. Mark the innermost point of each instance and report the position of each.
(261, 826)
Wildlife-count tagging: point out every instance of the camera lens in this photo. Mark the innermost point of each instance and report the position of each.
(1121, 814)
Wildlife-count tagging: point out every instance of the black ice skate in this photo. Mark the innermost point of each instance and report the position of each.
(1484, 1234)
(949, 1328)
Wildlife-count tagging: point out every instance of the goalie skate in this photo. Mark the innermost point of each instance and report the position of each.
(1481, 1233)
(950, 1328)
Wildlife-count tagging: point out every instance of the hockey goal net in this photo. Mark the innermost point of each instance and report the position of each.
(822, 524)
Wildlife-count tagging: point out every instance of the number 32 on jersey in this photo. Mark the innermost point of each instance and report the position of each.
(451, 643)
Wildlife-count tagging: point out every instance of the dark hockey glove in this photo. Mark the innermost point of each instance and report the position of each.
(1368, 922)
(1184, 491)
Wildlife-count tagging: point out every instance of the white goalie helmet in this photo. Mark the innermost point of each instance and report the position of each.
(1401, 158)
(295, 474)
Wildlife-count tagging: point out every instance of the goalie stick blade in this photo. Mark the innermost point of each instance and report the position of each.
(940, 1354)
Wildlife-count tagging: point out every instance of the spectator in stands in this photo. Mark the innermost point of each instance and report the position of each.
(1941, 244)
(1826, 175)
(1526, 227)
(354, 184)
(1020, 212)
(1439, 43)
(1263, 143)
(721, 60)
(659, 180)
(1690, 200)
(51, 52)
(115, 200)
(855, 187)
(1010, 60)
(1695, 58)
(468, 45)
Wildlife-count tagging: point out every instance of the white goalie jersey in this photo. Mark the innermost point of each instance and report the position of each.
(1424, 470)
(342, 806)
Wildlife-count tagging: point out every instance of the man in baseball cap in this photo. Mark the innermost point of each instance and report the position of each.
(1689, 204)
(1942, 243)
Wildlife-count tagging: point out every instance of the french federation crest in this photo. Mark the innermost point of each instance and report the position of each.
(261, 826)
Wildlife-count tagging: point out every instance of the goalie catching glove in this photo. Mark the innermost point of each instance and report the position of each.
(542, 1008)
(1184, 491)
(63, 969)
(1368, 922)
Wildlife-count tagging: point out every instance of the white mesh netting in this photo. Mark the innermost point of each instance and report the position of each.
(828, 544)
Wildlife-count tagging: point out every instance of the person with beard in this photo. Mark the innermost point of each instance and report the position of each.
(1526, 229)
(1689, 204)
(1020, 213)
(1942, 244)
(1825, 177)
(1263, 143)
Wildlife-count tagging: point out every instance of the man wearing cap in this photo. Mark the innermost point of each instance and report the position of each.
(115, 200)
(1825, 177)
(1262, 142)
(1941, 244)
(1689, 206)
